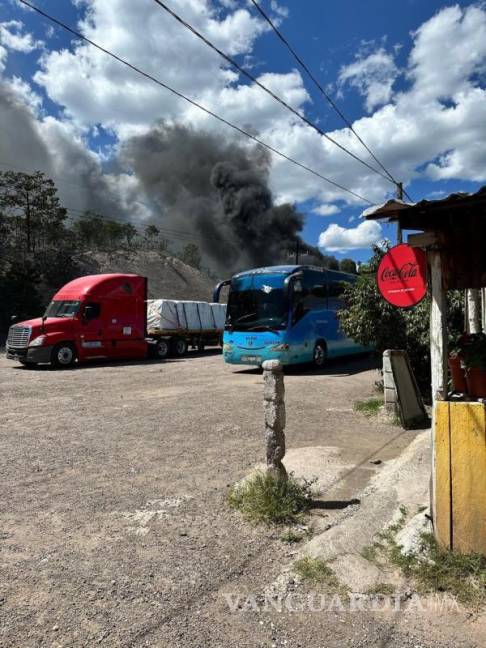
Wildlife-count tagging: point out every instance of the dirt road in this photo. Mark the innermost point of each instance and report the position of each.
(114, 526)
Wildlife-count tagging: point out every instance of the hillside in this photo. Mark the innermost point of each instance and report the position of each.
(168, 277)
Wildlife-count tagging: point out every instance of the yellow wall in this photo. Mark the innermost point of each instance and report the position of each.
(460, 476)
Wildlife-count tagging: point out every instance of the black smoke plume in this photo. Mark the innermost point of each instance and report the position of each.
(217, 190)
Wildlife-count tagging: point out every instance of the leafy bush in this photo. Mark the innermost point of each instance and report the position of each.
(473, 351)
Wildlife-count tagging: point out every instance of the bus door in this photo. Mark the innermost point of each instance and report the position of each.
(301, 334)
(337, 343)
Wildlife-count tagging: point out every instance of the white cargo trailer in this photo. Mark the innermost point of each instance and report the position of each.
(174, 325)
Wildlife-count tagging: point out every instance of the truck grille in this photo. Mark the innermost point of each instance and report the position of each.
(19, 337)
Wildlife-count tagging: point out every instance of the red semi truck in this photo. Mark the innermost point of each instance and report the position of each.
(95, 317)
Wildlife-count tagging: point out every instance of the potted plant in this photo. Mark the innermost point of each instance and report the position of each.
(473, 357)
(458, 373)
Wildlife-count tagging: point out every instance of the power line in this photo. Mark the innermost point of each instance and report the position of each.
(281, 101)
(192, 102)
(306, 69)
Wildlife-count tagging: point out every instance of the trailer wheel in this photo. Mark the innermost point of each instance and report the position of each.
(320, 355)
(179, 347)
(162, 349)
(63, 355)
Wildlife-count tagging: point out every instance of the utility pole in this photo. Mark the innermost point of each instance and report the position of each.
(400, 197)
(297, 250)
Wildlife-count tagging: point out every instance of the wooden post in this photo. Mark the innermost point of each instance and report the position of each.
(473, 310)
(438, 329)
(483, 310)
(438, 359)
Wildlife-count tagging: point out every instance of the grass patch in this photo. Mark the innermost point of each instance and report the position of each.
(267, 498)
(432, 568)
(368, 407)
(315, 570)
(292, 537)
(370, 553)
(438, 570)
(383, 589)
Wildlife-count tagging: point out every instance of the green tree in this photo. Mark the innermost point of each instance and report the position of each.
(19, 281)
(129, 233)
(347, 265)
(152, 232)
(31, 210)
(89, 230)
(191, 255)
(330, 262)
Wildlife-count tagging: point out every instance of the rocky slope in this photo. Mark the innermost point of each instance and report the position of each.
(168, 277)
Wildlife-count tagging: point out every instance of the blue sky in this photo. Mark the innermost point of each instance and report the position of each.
(388, 65)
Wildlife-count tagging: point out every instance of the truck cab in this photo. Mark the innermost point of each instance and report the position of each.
(97, 316)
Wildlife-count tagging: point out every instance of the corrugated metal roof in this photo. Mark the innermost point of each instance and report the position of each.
(391, 209)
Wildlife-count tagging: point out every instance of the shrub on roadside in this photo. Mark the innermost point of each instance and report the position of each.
(265, 497)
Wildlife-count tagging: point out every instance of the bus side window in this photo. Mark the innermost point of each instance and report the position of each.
(300, 304)
(334, 295)
(318, 297)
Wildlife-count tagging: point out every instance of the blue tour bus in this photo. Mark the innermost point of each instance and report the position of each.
(286, 312)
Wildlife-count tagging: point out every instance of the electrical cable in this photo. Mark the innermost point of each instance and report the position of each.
(59, 23)
(306, 69)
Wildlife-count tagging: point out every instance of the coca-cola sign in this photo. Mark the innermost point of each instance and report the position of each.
(402, 276)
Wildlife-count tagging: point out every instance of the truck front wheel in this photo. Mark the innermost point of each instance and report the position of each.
(179, 347)
(63, 355)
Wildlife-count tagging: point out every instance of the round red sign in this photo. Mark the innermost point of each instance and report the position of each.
(402, 276)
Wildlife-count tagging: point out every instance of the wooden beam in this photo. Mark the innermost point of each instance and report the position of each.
(438, 360)
(438, 328)
(473, 311)
(422, 240)
(483, 309)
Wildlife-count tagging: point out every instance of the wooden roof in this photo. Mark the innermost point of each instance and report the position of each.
(431, 215)
(458, 223)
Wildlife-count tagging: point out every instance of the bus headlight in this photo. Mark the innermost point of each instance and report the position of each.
(280, 347)
(227, 348)
(38, 341)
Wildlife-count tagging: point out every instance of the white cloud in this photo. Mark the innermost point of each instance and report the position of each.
(437, 124)
(12, 38)
(448, 49)
(340, 239)
(326, 210)
(3, 58)
(373, 75)
(94, 88)
(280, 10)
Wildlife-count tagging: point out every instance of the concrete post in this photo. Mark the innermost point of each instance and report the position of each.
(274, 408)
(389, 388)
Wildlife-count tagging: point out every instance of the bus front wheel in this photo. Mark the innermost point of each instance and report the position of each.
(320, 355)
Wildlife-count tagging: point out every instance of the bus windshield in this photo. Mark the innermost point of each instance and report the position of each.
(257, 303)
(62, 309)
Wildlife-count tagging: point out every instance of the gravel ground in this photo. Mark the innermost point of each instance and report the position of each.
(114, 525)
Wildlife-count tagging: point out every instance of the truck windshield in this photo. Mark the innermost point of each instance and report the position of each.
(257, 302)
(62, 309)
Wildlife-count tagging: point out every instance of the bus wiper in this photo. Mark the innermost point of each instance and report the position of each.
(263, 327)
(239, 319)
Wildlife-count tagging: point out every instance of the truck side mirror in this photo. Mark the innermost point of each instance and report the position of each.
(13, 318)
